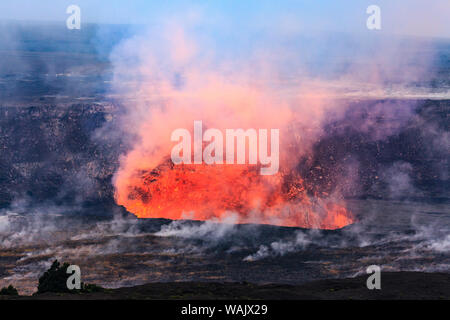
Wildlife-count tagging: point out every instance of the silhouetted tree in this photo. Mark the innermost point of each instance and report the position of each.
(55, 280)
(9, 291)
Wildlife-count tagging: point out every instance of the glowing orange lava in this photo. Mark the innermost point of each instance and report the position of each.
(203, 192)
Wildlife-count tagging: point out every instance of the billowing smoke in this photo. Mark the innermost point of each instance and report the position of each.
(169, 77)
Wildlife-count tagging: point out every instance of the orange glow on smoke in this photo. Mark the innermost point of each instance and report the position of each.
(231, 96)
(203, 192)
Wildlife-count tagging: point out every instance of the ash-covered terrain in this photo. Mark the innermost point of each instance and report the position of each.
(61, 144)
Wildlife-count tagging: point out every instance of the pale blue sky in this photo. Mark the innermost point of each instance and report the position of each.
(413, 17)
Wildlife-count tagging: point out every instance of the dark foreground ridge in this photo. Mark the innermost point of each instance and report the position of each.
(394, 285)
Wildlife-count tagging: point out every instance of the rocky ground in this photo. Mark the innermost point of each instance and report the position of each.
(394, 285)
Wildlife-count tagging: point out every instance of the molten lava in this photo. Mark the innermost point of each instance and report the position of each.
(203, 192)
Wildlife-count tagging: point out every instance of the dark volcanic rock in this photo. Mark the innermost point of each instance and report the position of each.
(69, 154)
(51, 153)
(394, 285)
